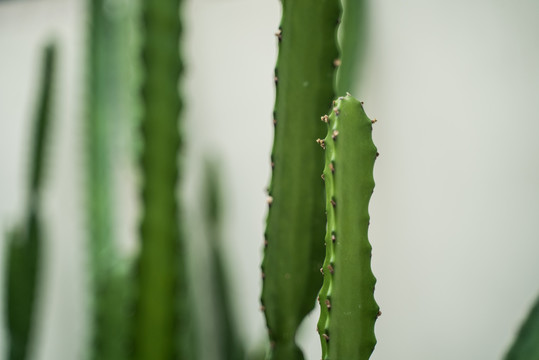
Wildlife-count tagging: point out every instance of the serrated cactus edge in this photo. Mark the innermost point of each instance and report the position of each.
(160, 283)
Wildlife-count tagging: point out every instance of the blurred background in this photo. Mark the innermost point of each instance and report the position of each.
(454, 216)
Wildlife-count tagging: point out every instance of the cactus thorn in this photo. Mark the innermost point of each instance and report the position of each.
(328, 304)
(335, 133)
(322, 143)
(341, 98)
(276, 79)
(269, 200)
(377, 154)
(379, 314)
(333, 237)
(325, 118)
(362, 103)
(336, 111)
(348, 94)
(272, 164)
(263, 275)
(322, 270)
(274, 122)
(279, 34)
(333, 203)
(332, 167)
(323, 177)
(326, 336)
(262, 308)
(374, 121)
(331, 269)
(337, 62)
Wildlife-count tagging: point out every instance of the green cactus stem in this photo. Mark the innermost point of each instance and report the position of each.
(348, 309)
(25, 241)
(160, 278)
(526, 345)
(294, 249)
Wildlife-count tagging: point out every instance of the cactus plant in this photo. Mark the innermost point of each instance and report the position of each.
(294, 248)
(161, 279)
(348, 309)
(25, 241)
(526, 345)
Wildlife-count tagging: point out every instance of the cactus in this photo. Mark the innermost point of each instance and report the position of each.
(161, 279)
(25, 241)
(294, 248)
(526, 345)
(348, 309)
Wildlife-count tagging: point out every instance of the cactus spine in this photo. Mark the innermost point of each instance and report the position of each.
(160, 277)
(25, 241)
(348, 308)
(294, 248)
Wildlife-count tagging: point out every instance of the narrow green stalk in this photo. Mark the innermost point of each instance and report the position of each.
(348, 309)
(294, 250)
(107, 105)
(160, 275)
(229, 342)
(25, 241)
(526, 345)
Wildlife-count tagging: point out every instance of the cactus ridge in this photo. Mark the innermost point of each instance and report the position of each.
(348, 309)
(294, 251)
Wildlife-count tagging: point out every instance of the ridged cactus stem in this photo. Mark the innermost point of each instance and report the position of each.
(348, 308)
(160, 276)
(294, 249)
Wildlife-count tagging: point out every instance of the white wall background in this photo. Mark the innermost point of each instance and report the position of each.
(454, 226)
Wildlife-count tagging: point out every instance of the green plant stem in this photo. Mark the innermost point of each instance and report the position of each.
(348, 309)
(160, 276)
(294, 248)
(25, 241)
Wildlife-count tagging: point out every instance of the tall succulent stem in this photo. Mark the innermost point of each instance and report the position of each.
(348, 309)
(160, 276)
(294, 249)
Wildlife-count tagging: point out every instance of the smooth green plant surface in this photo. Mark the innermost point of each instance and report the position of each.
(352, 43)
(24, 251)
(161, 301)
(526, 345)
(229, 343)
(108, 105)
(348, 309)
(294, 249)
